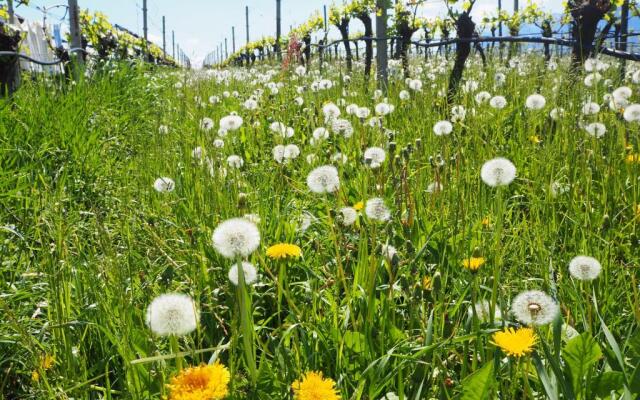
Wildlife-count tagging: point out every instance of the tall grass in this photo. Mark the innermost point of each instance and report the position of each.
(87, 243)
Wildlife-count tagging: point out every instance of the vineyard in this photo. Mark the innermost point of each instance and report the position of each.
(439, 207)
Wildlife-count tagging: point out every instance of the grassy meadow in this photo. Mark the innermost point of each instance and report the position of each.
(381, 306)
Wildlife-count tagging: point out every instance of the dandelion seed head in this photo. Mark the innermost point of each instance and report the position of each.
(323, 179)
(534, 307)
(498, 172)
(172, 314)
(236, 237)
(584, 268)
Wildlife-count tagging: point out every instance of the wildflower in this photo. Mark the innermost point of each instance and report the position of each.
(498, 102)
(498, 172)
(427, 283)
(197, 153)
(535, 139)
(348, 215)
(339, 158)
(164, 184)
(358, 206)
(383, 109)
(390, 396)
(320, 134)
(342, 127)
(330, 111)
(515, 343)
(214, 99)
(534, 307)
(596, 129)
(415, 85)
(473, 264)
(632, 113)
(486, 221)
(557, 113)
(404, 95)
(458, 113)
(483, 311)
(535, 102)
(377, 210)
(206, 124)
(163, 129)
(284, 250)
(376, 155)
(172, 314)
(481, 97)
(313, 386)
(623, 92)
(218, 143)
(442, 128)
(250, 273)
(558, 188)
(362, 113)
(250, 104)
(208, 382)
(282, 129)
(291, 151)
(236, 237)
(231, 122)
(278, 153)
(235, 161)
(584, 268)
(323, 179)
(389, 252)
(590, 108)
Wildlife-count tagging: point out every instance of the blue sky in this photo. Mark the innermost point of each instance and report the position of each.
(200, 25)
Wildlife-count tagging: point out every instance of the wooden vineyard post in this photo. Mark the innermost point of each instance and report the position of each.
(76, 41)
(381, 44)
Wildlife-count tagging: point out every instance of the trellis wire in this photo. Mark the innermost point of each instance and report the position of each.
(39, 62)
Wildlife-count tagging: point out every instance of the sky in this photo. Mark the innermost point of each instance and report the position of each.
(201, 25)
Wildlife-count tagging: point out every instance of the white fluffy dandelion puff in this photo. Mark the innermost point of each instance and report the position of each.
(498, 172)
(534, 307)
(164, 184)
(535, 102)
(172, 314)
(231, 122)
(442, 128)
(250, 273)
(377, 210)
(323, 179)
(348, 215)
(376, 155)
(584, 268)
(236, 237)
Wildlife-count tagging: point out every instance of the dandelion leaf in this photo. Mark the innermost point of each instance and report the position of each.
(580, 354)
(479, 385)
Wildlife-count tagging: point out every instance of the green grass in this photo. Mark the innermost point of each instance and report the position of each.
(87, 242)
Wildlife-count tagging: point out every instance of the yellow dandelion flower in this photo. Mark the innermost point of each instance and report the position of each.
(47, 362)
(314, 387)
(35, 376)
(486, 221)
(427, 283)
(358, 206)
(637, 210)
(473, 263)
(535, 139)
(515, 343)
(632, 158)
(284, 250)
(198, 383)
